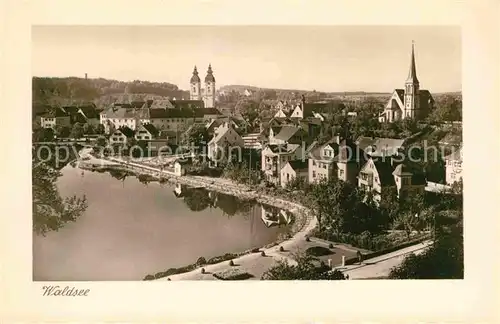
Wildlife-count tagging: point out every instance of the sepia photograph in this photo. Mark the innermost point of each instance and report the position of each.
(163, 153)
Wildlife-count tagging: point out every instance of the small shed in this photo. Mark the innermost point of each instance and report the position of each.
(182, 166)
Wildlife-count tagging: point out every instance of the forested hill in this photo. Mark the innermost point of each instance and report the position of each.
(101, 91)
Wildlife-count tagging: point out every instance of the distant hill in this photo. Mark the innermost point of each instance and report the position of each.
(70, 90)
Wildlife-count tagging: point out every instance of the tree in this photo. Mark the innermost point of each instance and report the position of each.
(62, 131)
(197, 199)
(409, 217)
(50, 210)
(332, 201)
(304, 269)
(43, 134)
(197, 135)
(100, 129)
(443, 260)
(88, 129)
(77, 131)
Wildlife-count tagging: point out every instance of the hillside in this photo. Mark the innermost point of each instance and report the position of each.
(70, 90)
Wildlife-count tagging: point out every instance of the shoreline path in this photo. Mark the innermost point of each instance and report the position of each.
(254, 263)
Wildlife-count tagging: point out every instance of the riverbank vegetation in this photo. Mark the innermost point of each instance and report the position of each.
(304, 269)
(50, 211)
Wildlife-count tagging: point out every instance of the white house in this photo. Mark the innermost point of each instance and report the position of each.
(182, 166)
(293, 169)
(275, 156)
(225, 140)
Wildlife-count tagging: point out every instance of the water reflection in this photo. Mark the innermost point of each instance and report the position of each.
(144, 229)
(272, 216)
(198, 199)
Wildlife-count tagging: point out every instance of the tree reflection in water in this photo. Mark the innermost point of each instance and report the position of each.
(50, 210)
(198, 199)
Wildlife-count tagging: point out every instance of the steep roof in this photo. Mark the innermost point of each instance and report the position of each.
(286, 132)
(55, 112)
(283, 148)
(298, 165)
(151, 129)
(161, 103)
(219, 135)
(384, 169)
(89, 112)
(386, 146)
(126, 131)
(121, 113)
(401, 94)
(412, 73)
(455, 155)
(188, 104)
(363, 142)
(349, 151)
(317, 151)
(170, 113)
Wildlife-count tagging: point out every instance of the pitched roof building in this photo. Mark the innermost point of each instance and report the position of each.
(410, 102)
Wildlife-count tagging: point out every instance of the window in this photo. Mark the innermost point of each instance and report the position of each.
(324, 165)
(314, 163)
(314, 174)
(341, 173)
(405, 181)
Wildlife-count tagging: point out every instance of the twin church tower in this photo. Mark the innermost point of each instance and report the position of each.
(206, 94)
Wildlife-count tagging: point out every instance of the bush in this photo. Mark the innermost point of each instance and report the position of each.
(255, 250)
(201, 261)
(149, 277)
(263, 253)
(231, 263)
(232, 274)
(225, 257)
(318, 251)
(282, 249)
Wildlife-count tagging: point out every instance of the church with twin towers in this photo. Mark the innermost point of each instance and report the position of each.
(207, 94)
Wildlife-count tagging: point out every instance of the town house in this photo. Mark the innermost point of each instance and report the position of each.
(293, 169)
(341, 159)
(225, 140)
(381, 175)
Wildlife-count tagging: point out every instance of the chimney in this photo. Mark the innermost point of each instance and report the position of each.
(85, 76)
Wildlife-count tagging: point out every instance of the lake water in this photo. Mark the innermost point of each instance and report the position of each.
(132, 229)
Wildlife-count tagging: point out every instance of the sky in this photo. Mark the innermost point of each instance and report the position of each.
(321, 58)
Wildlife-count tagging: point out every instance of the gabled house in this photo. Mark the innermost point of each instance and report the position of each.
(146, 132)
(55, 117)
(293, 169)
(275, 156)
(381, 175)
(121, 136)
(90, 114)
(223, 143)
(341, 159)
(287, 134)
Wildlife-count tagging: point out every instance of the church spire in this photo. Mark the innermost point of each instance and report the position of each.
(195, 78)
(210, 75)
(412, 74)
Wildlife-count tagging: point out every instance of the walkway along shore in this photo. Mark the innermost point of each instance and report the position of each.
(303, 224)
